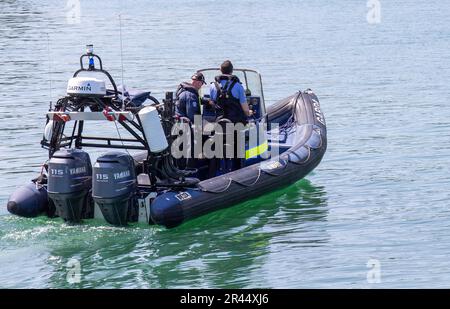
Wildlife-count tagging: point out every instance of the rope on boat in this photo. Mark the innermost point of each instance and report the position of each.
(287, 128)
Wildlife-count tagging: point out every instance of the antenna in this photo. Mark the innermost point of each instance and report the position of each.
(121, 61)
(49, 70)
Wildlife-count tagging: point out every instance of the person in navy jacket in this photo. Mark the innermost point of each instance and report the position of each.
(187, 97)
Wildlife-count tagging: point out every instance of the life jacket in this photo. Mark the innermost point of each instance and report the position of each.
(181, 105)
(230, 105)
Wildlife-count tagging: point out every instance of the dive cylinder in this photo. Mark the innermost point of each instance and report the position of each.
(153, 130)
(48, 131)
(114, 186)
(69, 183)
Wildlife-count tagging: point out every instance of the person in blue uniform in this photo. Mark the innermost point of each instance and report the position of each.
(187, 97)
(228, 94)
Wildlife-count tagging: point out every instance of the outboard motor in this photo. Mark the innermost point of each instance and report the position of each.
(114, 186)
(69, 183)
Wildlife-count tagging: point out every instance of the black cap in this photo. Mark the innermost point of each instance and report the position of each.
(198, 76)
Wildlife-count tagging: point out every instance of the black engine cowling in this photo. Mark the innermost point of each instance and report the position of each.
(114, 186)
(69, 183)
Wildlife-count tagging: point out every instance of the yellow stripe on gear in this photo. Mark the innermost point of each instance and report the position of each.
(256, 151)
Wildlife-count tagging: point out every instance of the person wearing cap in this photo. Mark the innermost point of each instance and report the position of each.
(187, 97)
(228, 93)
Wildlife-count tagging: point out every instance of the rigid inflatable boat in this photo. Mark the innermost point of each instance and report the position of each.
(153, 186)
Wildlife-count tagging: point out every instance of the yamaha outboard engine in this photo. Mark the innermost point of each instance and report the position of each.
(114, 186)
(69, 183)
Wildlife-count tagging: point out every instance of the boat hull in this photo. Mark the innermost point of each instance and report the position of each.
(300, 151)
(294, 163)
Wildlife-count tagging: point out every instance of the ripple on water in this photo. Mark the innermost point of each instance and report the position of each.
(378, 194)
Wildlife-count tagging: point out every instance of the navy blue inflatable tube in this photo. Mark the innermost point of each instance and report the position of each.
(309, 129)
(28, 201)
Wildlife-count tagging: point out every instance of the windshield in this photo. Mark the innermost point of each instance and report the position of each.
(251, 80)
